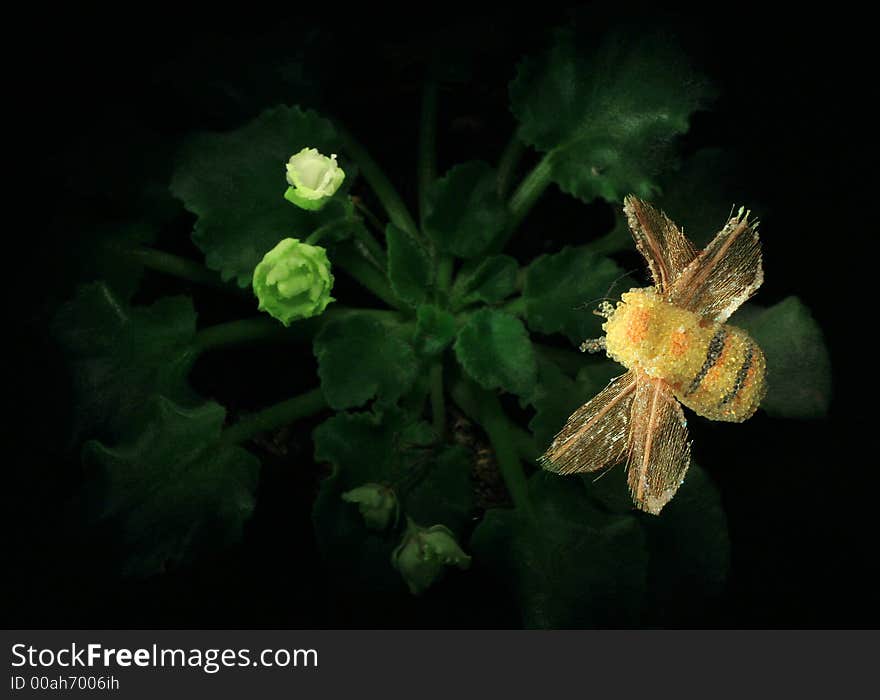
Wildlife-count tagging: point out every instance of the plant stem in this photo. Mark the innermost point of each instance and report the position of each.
(427, 146)
(524, 443)
(528, 192)
(515, 307)
(176, 266)
(497, 427)
(444, 277)
(507, 164)
(368, 214)
(388, 196)
(264, 328)
(275, 416)
(243, 331)
(438, 406)
(366, 273)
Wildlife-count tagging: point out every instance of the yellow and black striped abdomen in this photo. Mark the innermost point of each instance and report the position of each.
(730, 383)
(714, 369)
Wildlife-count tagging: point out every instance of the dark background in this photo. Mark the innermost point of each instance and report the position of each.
(102, 97)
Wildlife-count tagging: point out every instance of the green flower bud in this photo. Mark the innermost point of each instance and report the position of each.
(422, 554)
(377, 504)
(293, 281)
(313, 178)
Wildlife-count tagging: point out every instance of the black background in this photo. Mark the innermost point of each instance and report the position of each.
(794, 106)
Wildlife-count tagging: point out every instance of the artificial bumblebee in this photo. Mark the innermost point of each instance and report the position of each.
(674, 341)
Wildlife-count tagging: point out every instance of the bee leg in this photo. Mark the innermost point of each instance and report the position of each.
(593, 345)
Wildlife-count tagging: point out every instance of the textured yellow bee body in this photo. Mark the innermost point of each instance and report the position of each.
(715, 369)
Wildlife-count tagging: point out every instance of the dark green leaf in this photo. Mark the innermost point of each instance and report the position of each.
(489, 280)
(169, 491)
(556, 396)
(121, 355)
(465, 212)
(446, 495)
(608, 121)
(235, 183)
(389, 449)
(103, 253)
(435, 329)
(359, 358)
(494, 348)
(409, 266)
(562, 290)
(798, 366)
(572, 566)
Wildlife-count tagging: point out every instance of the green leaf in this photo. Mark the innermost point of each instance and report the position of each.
(556, 396)
(435, 330)
(561, 290)
(169, 491)
(494, 348)
(103, 253)
(359, 358)
(380, 448)
(489, 280)
(465, 212)
(409, 266)
(445, 495)
(235, 183)
(609, 121)
(798, 365)
(570, 567)
(121, 355)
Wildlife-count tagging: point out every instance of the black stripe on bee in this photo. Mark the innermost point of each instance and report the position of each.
(716, 347)
(740, 376)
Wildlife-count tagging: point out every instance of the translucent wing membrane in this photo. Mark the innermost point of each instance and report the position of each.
(659, 453)
(595, 435)
(660, 241)
(725, 274)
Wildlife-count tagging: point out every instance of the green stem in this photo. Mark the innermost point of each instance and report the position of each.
(524, 443)
(179, 267)
(371, 248)
(483, 407)
(243, 331)
(264, 328)
(438, 406)
(366, 273)
(275, 416)
(444, 278)
(510, 158)
(528, 192)
(388, 196)
(515, 307)
(427, 146)
(368, 214)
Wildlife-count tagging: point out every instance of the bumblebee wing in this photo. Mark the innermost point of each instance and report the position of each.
(659, 453)
(595, 435)
(660, 241)
(725, 274)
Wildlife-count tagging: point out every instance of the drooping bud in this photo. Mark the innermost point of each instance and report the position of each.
(313, 179)
(424, 552)
(377, 503)
(293, 281)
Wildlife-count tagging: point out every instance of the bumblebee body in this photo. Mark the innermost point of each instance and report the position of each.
(714, 369)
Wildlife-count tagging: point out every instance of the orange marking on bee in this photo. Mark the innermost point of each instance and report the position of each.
(679, 343)
(637, 328)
